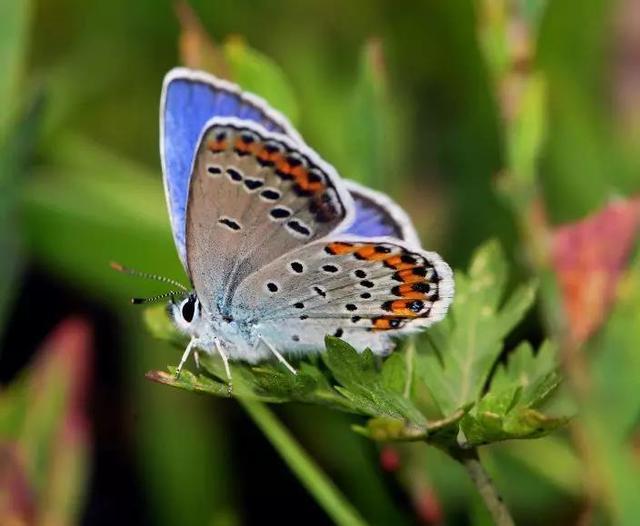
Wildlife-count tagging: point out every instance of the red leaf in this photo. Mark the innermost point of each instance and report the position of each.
(588, 257)
(42, 467)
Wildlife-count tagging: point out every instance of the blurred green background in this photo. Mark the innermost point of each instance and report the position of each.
(412, 98)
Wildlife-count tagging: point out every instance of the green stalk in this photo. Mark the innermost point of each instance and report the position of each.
(483, 483)
(308, 472)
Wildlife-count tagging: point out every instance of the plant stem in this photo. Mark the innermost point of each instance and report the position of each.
(483, 483)
(308, 472)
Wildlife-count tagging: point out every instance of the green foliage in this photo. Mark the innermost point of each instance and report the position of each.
(373, 138)
(15, 18)
(461, 351)
(258, 73)
(509, 408)
(18, 129)
(455, 370)
(611, 409)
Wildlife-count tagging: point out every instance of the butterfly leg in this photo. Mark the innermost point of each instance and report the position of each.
(279, 356)
(185, 356)
(196, 358)
(225, 361)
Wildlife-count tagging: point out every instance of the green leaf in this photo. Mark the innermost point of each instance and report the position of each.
(16, 153)
(373, 139)
(511, 407)
(459, 353)
(527, 132)
(535, 373)
(394, 373)
(362, 383)
(615, 360)
(15, 18)
(259, 74)
(609, 412)
(118, 195)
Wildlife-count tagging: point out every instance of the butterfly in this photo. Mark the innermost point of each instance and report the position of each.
(280, 250)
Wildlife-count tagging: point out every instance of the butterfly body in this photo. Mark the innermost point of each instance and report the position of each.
(280, 250)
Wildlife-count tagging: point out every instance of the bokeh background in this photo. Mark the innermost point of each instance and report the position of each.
(487, 119)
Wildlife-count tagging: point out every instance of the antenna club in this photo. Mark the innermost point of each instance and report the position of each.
(116, 266)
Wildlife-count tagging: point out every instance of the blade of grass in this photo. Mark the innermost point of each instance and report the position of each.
(308, 472)
(15, 18)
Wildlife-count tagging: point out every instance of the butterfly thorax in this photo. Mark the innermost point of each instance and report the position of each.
(239, 336)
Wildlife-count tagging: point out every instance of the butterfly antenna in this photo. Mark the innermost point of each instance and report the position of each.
(153, 299)
(146, 275)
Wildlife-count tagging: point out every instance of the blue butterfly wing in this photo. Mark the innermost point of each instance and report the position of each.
(189, 100)
(377, 215)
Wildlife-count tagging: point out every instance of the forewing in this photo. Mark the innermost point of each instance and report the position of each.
(378, 215)
(364, 290)
(254, 195)
(189, 100)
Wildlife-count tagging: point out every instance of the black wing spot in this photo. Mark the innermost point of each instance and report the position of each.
(360, 273)
(420, 286)
(297, 267)
(272, 287)
(303, 317)
(366, 283)
(247, 138)
(299, 227)
(229, 223)
(351, 307)
(214, 170)
(234, 175)
(338, 333)
(299, 305)
(355, 319)
(280, 213)
(293, 160)
(270, 195)
(284, 176)
(320, 291)
(272, 147)
(331, 269)
(264, 162)
(295, 338)
(365, 295)
(301, 192)
(253, 184)
(381, 249)
(409, 259)
(314, 176)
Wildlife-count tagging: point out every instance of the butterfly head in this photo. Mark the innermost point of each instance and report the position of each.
(184, 309)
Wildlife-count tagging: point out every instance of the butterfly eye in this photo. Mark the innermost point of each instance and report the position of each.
(188, 309)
